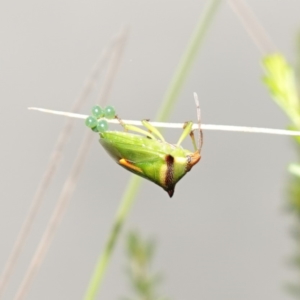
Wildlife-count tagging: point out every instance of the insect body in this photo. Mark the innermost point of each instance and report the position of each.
(150, 156)
(158, 161)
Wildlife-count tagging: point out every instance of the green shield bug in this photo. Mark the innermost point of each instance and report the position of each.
(147, 154)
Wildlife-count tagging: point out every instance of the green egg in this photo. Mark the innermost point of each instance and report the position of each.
(97, 111)
(102, 125)
(109, 112)
(91, 122)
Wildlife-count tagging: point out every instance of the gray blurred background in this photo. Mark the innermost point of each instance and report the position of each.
(225, 233)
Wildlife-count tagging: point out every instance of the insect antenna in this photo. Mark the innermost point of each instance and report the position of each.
(200, 140)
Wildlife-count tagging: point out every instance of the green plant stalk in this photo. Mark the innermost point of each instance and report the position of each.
(124, 208)
(164, 112)
(187, 60)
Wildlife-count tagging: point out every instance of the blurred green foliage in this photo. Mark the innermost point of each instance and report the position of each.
(283, 83)
(143, 281)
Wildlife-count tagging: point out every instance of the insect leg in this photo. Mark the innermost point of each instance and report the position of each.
(153, 130)
(187, 129)
(193, 140)
(135, 129)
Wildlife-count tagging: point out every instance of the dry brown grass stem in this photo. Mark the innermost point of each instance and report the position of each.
(56, 217)
(252, 25)
(73, 176)
(115, 46)
(51, 168)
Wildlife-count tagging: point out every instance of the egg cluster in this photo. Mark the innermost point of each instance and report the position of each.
(97, 121)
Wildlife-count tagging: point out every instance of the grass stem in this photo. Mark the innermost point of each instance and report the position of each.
(165, 110)
(180, 125)
(70, 183)
(253, 26)
(51, 169)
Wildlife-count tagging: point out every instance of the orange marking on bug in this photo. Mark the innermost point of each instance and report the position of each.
(194, 159)
(129, 165)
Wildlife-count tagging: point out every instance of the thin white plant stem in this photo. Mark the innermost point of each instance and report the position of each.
(252, 25)
(180, 125)
(70, 183)
(51, 168)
